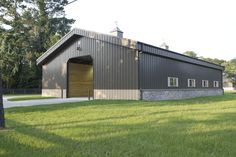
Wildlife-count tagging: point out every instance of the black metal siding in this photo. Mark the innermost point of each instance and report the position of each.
(115, 66)
(154, 71)
(177, 56)
(75, 33)
(89, 34)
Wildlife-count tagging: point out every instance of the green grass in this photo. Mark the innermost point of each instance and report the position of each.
(201, 127)
(230, 91)
(28, 97)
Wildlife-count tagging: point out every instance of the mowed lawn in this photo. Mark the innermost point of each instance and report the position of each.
(201, 127)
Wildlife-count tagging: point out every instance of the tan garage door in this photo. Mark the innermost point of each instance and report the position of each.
(80, 80)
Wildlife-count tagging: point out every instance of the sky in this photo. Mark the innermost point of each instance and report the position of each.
(207, 27)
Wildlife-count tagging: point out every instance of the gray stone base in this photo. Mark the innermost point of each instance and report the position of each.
(175, 94)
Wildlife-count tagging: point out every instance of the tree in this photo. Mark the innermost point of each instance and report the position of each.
(230, 70)
(233, 61)
(15, 40)
(27, 29)
(190, 54)
(213, 60)
(49, 21)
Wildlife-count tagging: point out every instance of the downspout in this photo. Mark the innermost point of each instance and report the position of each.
(67, 79)
(139, 73)
(222, 79)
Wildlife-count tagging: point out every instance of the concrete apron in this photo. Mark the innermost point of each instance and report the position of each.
(9, 104)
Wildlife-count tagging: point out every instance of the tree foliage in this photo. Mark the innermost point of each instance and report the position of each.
(230, 70)
(190, 54)
(27, 29)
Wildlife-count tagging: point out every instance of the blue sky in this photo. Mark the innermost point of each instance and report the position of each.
(207, 27)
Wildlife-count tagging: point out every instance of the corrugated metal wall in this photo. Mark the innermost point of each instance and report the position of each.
(115, 67)
(170, 54)
(93, 35)
(154, 71)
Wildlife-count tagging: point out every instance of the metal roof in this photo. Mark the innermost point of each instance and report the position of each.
(141, 47)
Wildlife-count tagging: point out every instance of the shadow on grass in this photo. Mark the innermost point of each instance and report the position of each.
(103, 137)
(151, 139)
(17, 147)
(64, 106)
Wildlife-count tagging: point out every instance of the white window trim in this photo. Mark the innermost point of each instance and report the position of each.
(216, 85)
(207, 83)
(177, 82)
(194, 82)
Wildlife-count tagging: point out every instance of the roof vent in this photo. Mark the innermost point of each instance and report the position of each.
(164, 46)
(117, 32)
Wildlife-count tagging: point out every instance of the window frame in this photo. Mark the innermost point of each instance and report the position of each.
(194, 83)
(176, 80)
(203, 84)
(217, 85)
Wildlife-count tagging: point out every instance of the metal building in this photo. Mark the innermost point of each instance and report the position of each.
(112, 67)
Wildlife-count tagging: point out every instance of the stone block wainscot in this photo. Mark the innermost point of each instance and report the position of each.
(176, 94)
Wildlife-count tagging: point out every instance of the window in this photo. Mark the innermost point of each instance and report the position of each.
(191, 83)
(204, 83)
(173, 82)
(216, 83)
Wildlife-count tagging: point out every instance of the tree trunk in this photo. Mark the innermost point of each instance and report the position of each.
(2, 120)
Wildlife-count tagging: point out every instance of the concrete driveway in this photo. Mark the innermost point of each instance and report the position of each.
(9, 104)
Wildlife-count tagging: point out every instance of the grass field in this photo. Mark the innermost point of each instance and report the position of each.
(28, 97)
(201, 127)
